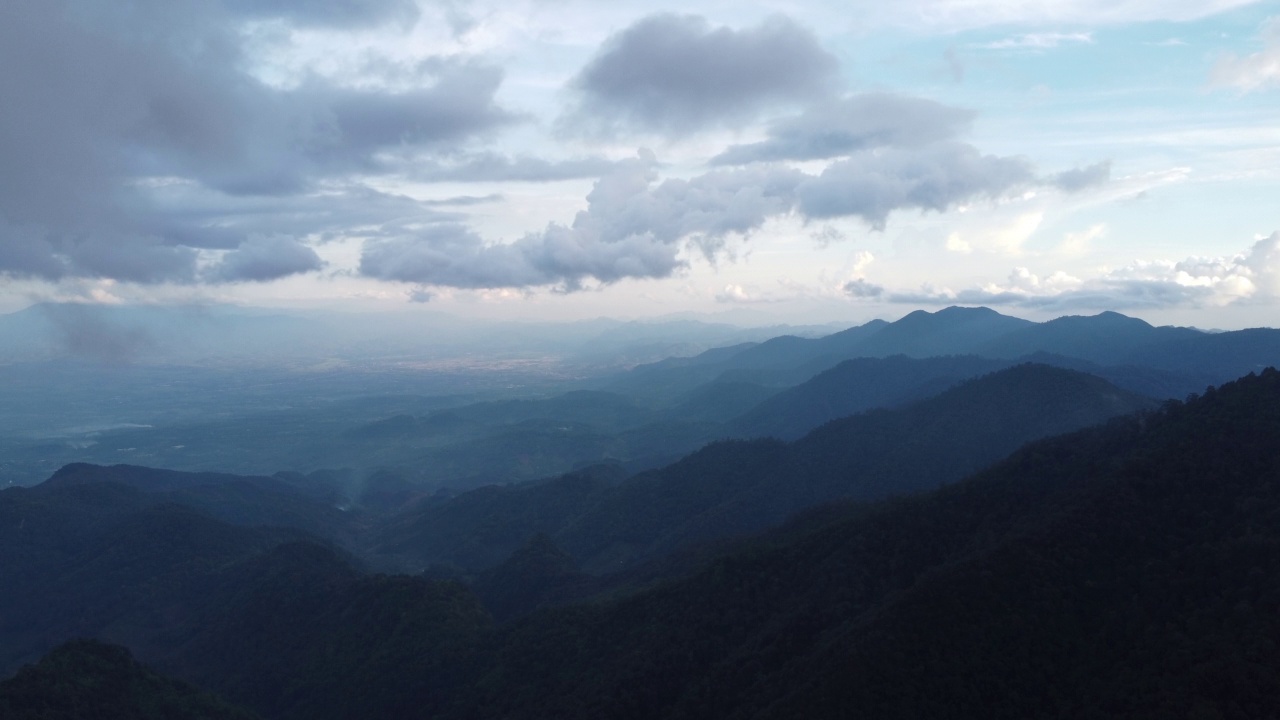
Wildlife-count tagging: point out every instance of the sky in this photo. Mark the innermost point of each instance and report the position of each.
(786, 161)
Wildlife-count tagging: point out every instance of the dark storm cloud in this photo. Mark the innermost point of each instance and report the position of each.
(871, 185)
(845, 126)
(245, 138)
(261, 259)
(676, 74)
(132, 133)
(1083, 178)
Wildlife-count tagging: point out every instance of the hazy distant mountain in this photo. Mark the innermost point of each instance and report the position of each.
(854, 386)
(307, 503)
(1107, 338)
(718, 401)
(951, 331)
(732, 488)
(1183, 357)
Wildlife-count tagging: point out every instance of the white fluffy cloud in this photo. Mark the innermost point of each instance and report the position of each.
(1253, 275)
(1255, 71)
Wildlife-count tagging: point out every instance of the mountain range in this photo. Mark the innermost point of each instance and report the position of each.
(927, 525)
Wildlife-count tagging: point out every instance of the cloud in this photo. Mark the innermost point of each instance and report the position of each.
(261, 259)
(1081, 242)
(1256, 71)
(871, 185)
(959, 15)
(1083, 178)
(331, 13)
(862, 288)
(495, 167)
(675, 74)
(997, 237)
(256, 140)
(142, 138)
(453, 256)
(636, 227)
(421, 295)
(955, 64)
(1039, 41)
(631, 228)
(848, 125)
(1251, 276)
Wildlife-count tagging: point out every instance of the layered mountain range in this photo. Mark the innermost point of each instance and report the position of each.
(927, 524)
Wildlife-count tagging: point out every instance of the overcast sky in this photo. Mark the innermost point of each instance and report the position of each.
(560, 159)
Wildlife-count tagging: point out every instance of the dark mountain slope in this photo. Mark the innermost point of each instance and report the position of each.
(479, 529)
(101, 559)
(264, 616)
(1125, 571)
(284, 500)
(128, 577)
(298, 633)
(1218, 355)
(88, 679)
(852, 387)
(735, 488)
(748, 487)
(537, 574)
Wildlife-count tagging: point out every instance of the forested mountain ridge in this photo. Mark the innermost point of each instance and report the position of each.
(739, 487)
(1124, 571)
(88, 679)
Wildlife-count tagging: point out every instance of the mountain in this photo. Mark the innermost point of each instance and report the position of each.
(307, 503)
(1106, 338)
(950, 331)
(268, 618)
(729, 489)
(1128, 571)
(90, 679)
(297, 633)
(854, 386)
(479, 529)
(734, 489)
(1184, 356)
(537, 574)
(126, 571)
(718, 401)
